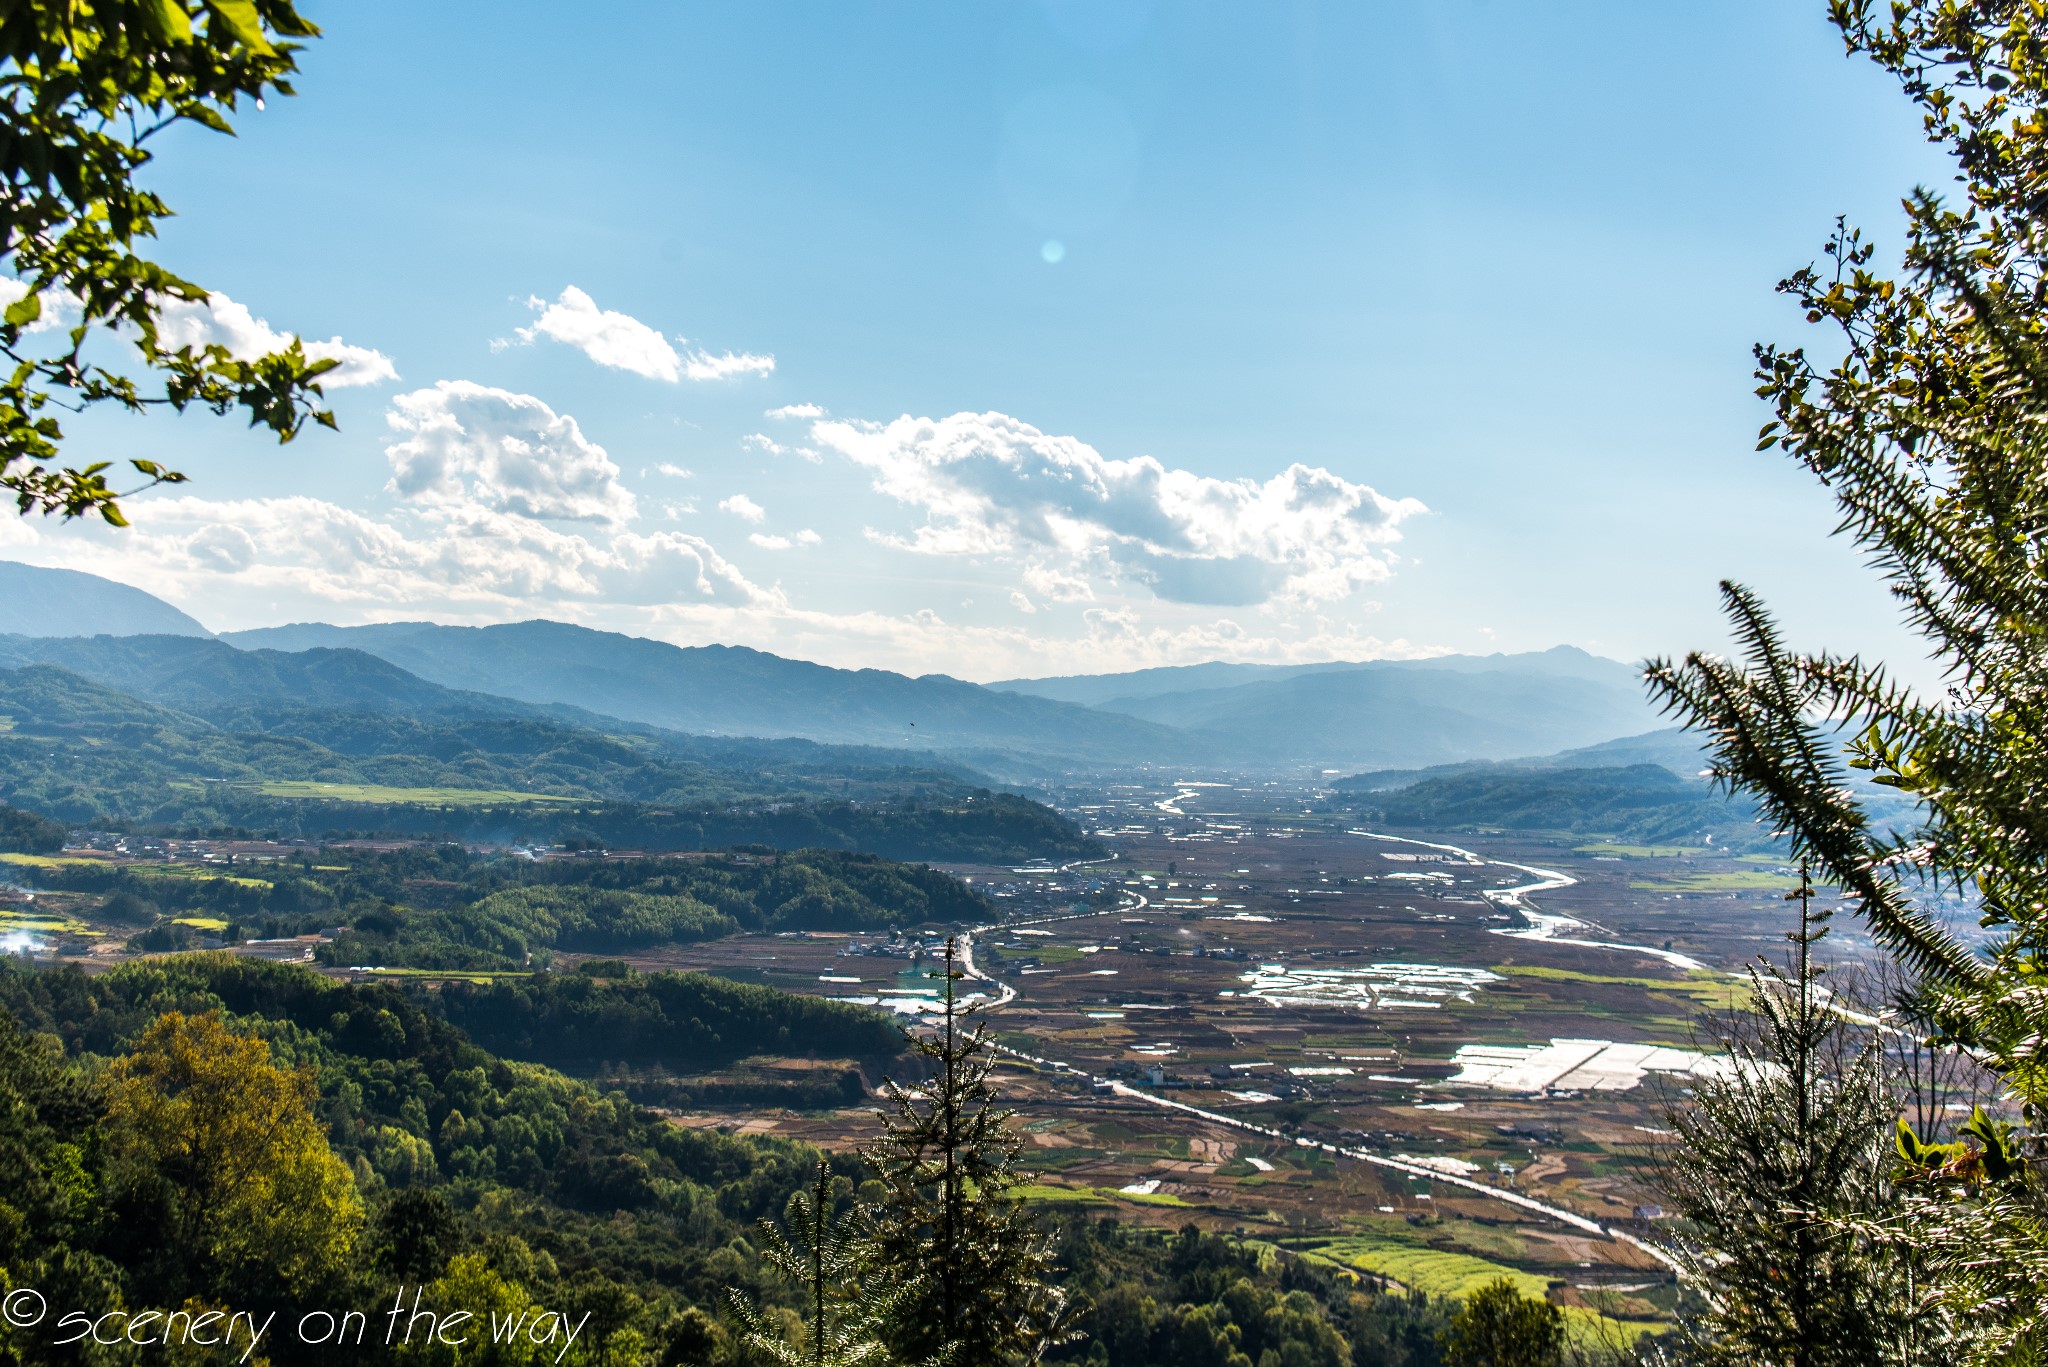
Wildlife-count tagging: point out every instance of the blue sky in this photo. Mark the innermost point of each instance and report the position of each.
(1136, 333)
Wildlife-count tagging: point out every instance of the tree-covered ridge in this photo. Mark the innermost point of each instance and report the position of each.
(679, 1021)
(498, 1185)
(976, 826)
(576, 1198)
(88, 754)
(1640, 803)
(1154, 1299)
(116, 747)
(444, 907)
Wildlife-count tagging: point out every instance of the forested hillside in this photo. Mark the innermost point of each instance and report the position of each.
(413, 1158)
(428, 1160)
(1638, 804)
(446, 908)
(90, 755)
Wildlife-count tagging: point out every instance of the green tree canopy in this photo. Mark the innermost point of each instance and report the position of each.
(965, 1267)
(85, 87)
(1927, 424)
(255, 1191)
(1498, 1326)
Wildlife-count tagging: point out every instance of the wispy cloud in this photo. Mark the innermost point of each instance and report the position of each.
(768, 446)
(796, 410)
(702, 365)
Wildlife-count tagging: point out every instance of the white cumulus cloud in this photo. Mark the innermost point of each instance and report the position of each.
(796, 410)
(768, 542)
(606, 336)
(742, 507)
(623, 342)
(60, 310)
(989, 484)
(1058, 585)
(467, 445)
(221, 321)
(447, 560)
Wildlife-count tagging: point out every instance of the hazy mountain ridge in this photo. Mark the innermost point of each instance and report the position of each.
(42, 602)
(738, 691)
(1672, 749)
(1390, 712)
(1406, 713)
(1097, 690)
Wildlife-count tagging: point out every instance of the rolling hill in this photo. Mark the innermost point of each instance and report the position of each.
(90, 755)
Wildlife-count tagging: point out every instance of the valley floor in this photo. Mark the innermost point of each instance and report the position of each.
(1306, 984)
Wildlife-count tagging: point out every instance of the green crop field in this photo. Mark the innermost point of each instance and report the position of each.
(374, 792)
(471, 975)
(205, 873)
(1045, 1193)
(1704, 986)
(1430, 1270)
(1736, 880)
(45, 861)
(41, 923)
(1640, 851)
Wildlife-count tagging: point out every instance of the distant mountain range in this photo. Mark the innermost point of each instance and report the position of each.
(40, 602)
(1681, 752)
(1409, 713)
(735, 691)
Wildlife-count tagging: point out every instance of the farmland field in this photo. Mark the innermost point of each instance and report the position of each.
(372, 792)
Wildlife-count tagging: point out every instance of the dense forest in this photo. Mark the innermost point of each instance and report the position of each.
(399, 1153)
(443, 907)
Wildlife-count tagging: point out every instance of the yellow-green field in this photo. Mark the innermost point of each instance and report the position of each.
(41, 923)
(204, 873)
(1046, 1193)
(201, 922)
(1736, 880)
(1440, 1272)
(1435, 1271)
(1705, 986)
(1639, 851)
(45, 861)
(374, 792)
(472, 975)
